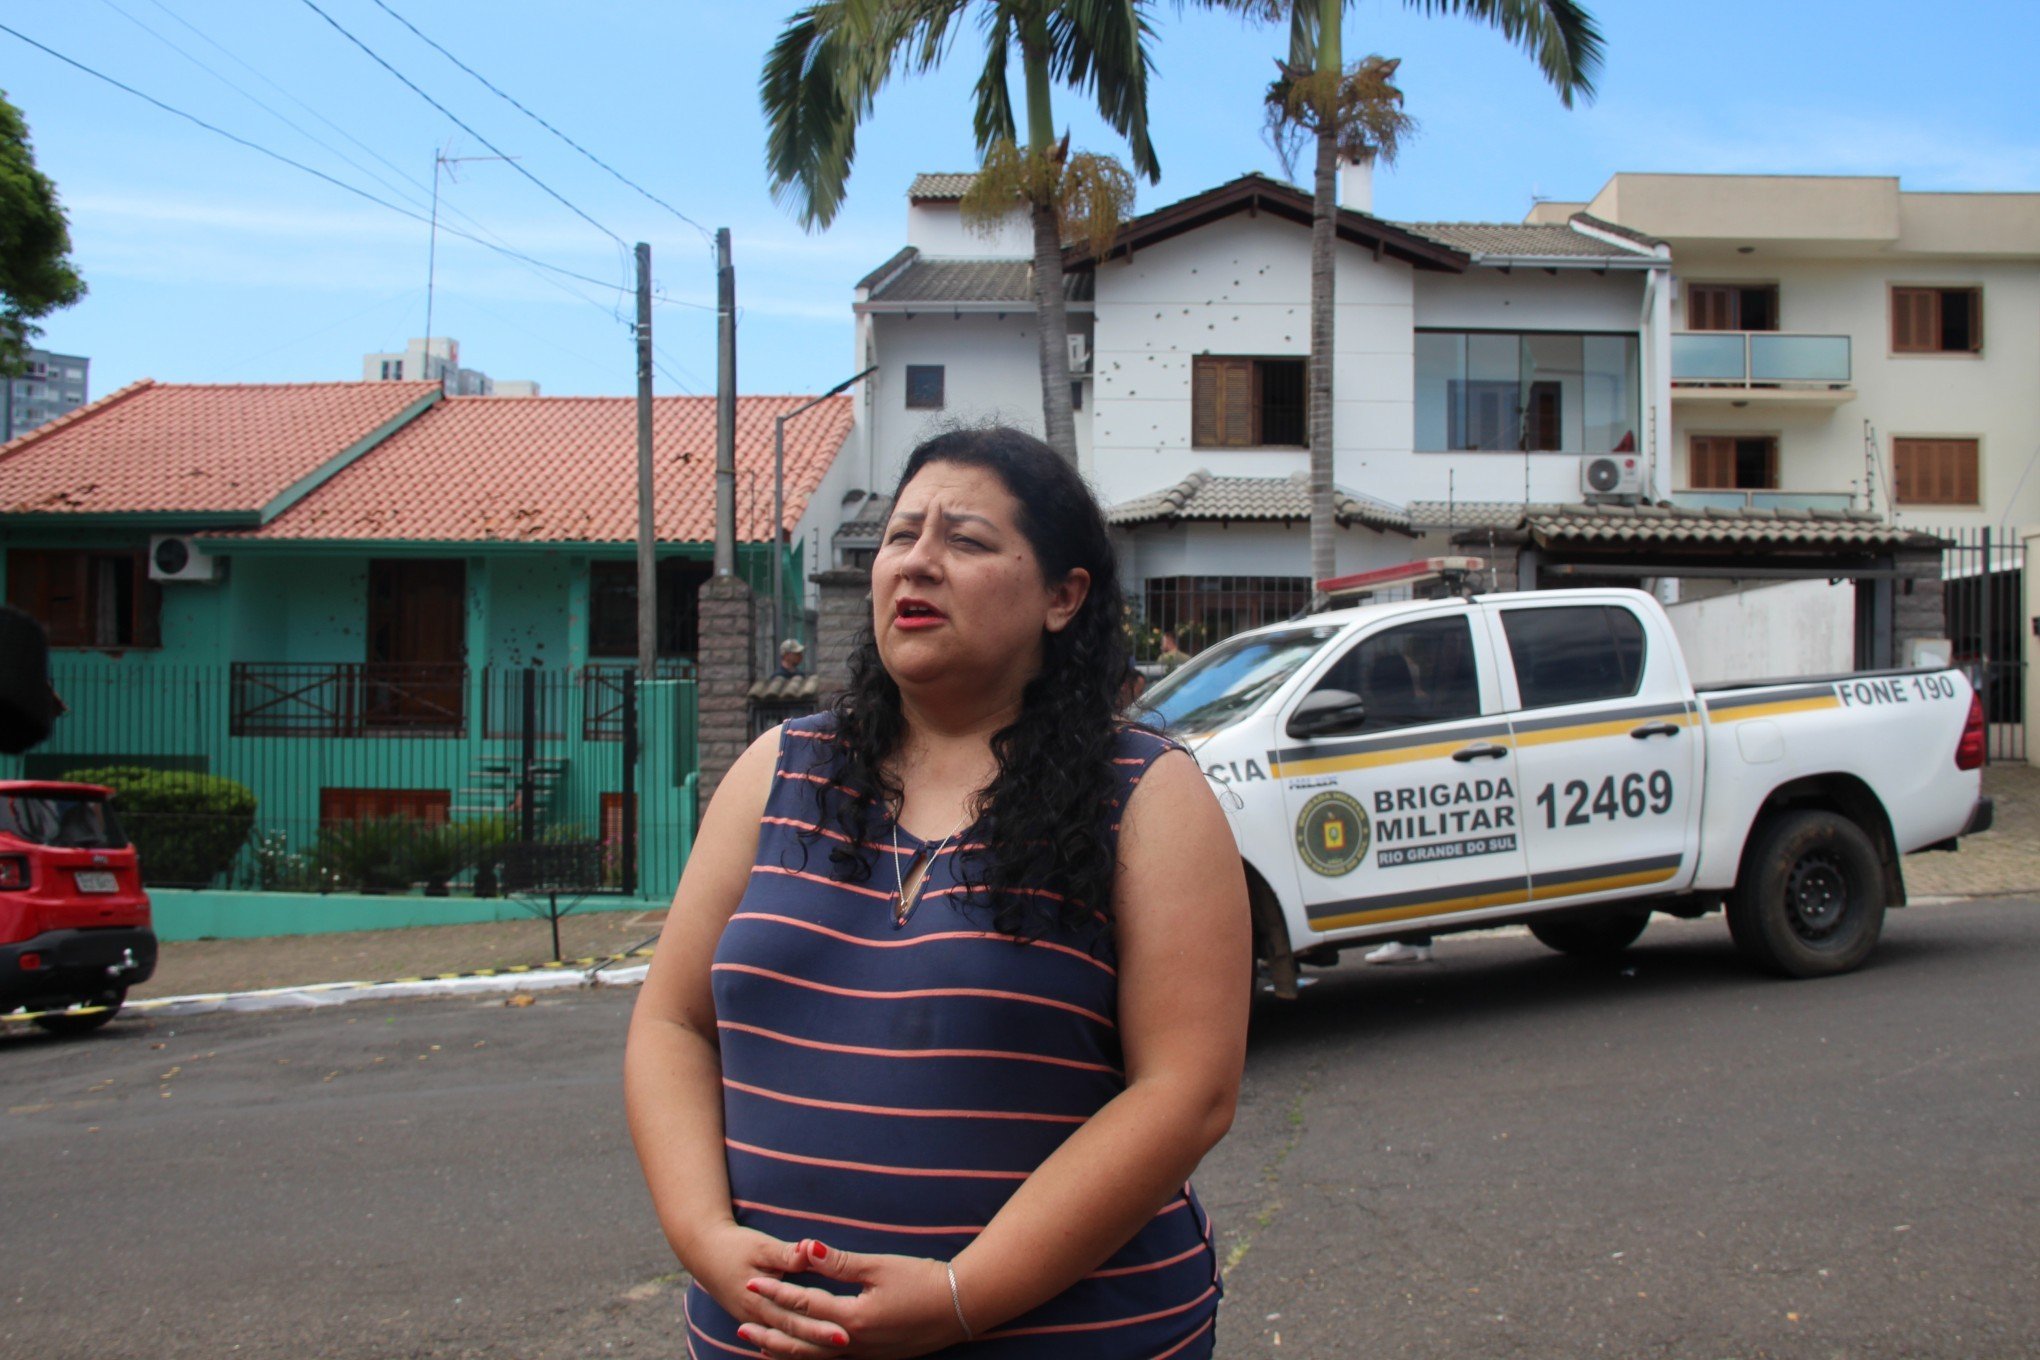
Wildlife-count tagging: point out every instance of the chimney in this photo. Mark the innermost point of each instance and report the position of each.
(1356, 186)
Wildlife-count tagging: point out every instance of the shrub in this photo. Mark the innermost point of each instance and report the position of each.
(187, 827)
(371, 856)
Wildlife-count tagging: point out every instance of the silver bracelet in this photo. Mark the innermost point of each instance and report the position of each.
(956, 1302)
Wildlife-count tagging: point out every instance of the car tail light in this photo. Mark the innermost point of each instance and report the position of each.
(30, 962)
(1969, 750)
(13, 872)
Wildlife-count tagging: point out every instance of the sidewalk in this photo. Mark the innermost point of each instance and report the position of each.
(192, 966)
(2005, 859)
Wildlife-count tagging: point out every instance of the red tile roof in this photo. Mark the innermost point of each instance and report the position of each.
(193, 448)
(564, 470)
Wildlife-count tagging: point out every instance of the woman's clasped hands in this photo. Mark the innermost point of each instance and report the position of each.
(902, 1307)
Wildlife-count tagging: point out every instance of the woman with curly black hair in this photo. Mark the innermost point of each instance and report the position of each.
(951, 999)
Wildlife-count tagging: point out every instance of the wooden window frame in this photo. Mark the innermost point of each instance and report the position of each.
(1717, 451)
(346, 806)
(1228, 401)
(1729, 295)
(31, 588)
(1916, 321)
(941, 373)
(1957, 489)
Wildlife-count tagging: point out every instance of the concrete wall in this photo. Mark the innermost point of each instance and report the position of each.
(939, 232)
(1795, 628)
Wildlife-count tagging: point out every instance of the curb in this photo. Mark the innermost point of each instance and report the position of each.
(555, 976)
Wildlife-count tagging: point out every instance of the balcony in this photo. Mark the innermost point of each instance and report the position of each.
(1783, 502)
(347, 699)
(1771, 368)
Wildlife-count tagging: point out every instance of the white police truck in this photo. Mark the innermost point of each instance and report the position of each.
(1431, 766)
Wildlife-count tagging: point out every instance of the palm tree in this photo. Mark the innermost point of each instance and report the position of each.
(825, 71)
(1354, 114)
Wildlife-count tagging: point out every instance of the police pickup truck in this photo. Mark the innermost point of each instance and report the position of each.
(1431, 766)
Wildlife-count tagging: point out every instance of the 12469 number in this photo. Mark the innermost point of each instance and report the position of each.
(1636, 795)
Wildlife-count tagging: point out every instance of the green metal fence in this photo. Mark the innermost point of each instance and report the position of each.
(351, 777)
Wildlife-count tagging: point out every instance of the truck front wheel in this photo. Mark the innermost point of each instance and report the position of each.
(1602, 935)
(1810, 901)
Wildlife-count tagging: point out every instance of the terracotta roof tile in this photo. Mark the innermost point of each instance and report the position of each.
(1201, 496)
(197, 448)
(939, 281)
(564, 470)
(1619, 525)
(941, 187)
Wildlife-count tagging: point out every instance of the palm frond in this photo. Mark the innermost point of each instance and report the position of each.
(992, 118)
(1103, 49)
(1560, 35)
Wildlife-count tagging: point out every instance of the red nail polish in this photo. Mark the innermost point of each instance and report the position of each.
(752, 1285)
(818, 1251)
(842, 1338)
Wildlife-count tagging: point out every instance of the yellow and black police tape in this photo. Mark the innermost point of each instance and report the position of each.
(594, 963)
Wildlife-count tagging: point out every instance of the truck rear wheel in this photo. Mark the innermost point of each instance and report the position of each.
(1602, 935)
(85, 1024)
(1811, 898)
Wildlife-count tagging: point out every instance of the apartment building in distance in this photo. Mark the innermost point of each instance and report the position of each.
(49, 386)
(439, 357)
(1838, 342)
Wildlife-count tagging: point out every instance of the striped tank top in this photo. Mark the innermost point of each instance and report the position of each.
(887, 1087)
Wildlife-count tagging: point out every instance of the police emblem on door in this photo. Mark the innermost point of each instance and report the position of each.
(1332, 833)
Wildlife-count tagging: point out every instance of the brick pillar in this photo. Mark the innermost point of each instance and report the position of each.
(840, 620)
(724, 674)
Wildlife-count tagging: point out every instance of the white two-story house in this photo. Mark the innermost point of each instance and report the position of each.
(1475, 364)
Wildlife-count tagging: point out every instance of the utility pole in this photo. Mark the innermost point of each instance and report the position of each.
(647, 540)
(725, 406)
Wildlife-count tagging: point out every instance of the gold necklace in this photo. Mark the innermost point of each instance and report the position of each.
(902, 905)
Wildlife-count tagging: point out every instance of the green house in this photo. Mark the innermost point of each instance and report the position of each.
(373, 603)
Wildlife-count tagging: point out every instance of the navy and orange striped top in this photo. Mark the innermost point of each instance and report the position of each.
(886, 1087)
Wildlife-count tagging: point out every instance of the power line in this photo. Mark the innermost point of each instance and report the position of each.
(300, 165)
(245, 94)
(413, 87)
(513, 102)
(423, 190)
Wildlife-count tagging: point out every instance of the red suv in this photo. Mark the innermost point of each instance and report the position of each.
(74, 920)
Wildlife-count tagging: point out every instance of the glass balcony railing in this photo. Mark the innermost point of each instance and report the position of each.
(1759, 359)
(1785, 501)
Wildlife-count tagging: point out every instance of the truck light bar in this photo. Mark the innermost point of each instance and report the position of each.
(1452, 570)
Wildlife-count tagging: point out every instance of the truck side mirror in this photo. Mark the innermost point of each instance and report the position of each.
(1326, 712)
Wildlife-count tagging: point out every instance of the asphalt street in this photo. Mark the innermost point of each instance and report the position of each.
(1504, 1153)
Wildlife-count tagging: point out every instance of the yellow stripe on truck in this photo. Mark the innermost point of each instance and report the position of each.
(1808, 705)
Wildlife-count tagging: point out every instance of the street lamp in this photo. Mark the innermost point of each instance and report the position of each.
(779, 495)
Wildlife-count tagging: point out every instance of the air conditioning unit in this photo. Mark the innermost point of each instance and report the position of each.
(173, 558)
(1611, 476)
(1080, 353)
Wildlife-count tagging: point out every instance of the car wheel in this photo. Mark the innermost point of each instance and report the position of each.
(85, 1024)
(1811, 898)
(1602, 935)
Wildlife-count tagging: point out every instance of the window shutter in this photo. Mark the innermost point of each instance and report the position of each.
(1204, 402)
(1975, 296)
(1709, 307)
(1713, 462)
(1237, 426)
(1915, 320)
(1935, 471)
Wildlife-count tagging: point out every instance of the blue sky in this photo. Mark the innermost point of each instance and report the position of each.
(208, 262)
